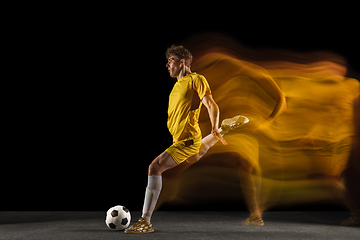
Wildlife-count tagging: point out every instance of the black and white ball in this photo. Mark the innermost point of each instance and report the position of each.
(118, 218)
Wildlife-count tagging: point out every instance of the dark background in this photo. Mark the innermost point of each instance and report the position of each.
(81, 135)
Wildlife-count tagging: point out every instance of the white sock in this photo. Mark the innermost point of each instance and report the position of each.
(152, 193)
(207, 142)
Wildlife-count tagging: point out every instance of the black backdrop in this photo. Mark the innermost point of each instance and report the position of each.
(92, 115)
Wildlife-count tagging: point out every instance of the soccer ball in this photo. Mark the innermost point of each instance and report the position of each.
(118, 218)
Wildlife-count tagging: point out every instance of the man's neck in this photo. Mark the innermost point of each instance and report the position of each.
(184, 72)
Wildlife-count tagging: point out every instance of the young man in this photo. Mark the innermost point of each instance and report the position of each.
(189, 93)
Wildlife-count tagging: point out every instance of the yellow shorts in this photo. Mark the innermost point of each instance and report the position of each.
(180, 151)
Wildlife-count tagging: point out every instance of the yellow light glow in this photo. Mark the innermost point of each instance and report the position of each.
(299, 157)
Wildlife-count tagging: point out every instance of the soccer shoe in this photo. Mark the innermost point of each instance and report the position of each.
(142, 226)
(254, 221)
(230, 124)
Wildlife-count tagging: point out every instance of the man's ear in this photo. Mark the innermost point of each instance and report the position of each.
(182, 61)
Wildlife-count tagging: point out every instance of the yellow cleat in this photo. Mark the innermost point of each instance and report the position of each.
(142, 226)
(231, 124)
(254, 221)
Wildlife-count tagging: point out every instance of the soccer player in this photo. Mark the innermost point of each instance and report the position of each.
(186, 98)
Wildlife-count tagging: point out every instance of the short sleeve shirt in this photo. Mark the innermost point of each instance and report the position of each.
(185, 105)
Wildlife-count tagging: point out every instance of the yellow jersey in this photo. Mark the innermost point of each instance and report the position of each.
(185, 105)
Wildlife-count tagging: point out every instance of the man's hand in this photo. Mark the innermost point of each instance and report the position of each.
(215, 133)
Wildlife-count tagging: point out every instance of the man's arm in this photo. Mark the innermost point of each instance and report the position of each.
(214, 114)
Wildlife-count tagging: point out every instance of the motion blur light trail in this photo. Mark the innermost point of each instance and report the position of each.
(299, 157)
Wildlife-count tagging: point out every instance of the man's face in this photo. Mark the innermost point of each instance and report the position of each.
(173, 66)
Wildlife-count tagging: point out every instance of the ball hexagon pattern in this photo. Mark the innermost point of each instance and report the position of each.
(118, 218)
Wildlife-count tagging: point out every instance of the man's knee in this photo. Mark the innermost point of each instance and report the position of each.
(153, 169)
(162, 163)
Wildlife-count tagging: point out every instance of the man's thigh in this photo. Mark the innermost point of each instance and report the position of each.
(183, 150)
(162, 163)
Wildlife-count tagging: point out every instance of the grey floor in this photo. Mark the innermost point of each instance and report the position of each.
(178, 225)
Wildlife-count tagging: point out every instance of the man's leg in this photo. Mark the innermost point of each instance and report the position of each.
(207, 142)
(160, 164)
(250, 185)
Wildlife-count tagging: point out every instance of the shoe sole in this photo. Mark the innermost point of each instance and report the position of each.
(133, 232)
